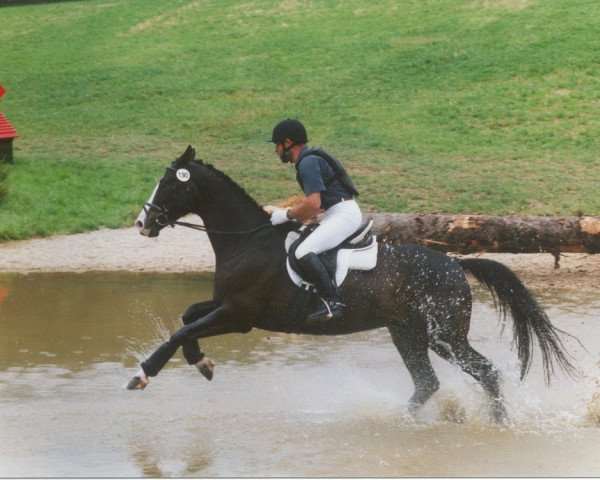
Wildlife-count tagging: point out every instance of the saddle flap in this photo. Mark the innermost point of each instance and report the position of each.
(361, 255)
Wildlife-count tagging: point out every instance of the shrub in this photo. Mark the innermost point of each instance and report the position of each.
(4, 171)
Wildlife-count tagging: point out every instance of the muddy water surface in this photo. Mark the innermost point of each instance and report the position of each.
(279, 405)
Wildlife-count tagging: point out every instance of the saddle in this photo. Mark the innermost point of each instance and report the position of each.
(357, 252)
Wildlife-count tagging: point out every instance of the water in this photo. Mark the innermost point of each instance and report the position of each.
(279, 405)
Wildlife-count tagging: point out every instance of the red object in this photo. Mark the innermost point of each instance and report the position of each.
(3, 293)
(2, 90)
(6, 128)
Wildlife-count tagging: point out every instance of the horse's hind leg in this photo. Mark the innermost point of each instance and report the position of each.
(459, 352)
(413, 346)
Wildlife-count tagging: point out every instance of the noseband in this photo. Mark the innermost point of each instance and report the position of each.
(160, 215)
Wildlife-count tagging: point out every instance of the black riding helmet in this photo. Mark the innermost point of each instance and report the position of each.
(289, 128)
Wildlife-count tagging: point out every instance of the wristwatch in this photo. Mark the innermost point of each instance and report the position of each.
(287, 214)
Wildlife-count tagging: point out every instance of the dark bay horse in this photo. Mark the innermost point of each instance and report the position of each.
(421, 296)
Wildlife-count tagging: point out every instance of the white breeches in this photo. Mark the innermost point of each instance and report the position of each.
(339, 222)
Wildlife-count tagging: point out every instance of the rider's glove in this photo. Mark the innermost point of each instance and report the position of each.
(279, 216)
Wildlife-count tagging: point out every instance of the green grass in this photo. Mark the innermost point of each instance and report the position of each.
(464, 106)
(4, 185)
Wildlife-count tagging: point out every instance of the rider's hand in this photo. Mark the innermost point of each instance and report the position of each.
(279, 216)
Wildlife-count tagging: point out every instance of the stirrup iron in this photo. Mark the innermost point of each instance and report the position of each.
(328, 311)
(329, 305)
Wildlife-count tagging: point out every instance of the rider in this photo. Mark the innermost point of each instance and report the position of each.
(328, 189)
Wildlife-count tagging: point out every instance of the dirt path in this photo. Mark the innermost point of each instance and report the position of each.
(175, 250)
(183, 250)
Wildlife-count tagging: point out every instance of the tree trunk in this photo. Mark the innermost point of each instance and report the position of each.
(481, 233)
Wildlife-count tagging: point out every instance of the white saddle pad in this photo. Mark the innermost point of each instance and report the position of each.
(347, 259)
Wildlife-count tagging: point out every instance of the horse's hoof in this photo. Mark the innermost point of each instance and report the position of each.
(499, 413)
(206, 368)
(412, 408)
(137, 383)
(500, 417)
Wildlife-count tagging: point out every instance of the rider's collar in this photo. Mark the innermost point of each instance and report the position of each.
(303, 153)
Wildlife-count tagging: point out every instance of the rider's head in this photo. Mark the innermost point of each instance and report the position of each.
(287, 135)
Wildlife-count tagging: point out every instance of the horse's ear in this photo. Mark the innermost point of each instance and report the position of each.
(187, 157)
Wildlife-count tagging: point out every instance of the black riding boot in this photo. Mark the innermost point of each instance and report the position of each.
(316, 273)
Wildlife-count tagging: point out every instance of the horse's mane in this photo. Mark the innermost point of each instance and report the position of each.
(232, 183)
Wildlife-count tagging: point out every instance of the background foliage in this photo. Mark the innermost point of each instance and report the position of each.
(470, 106)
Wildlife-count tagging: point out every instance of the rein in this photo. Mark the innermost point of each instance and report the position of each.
(163, 220)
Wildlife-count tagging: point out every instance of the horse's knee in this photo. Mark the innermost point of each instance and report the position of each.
(198, 310)
(190, 315)
(178, 338)
(187, 317)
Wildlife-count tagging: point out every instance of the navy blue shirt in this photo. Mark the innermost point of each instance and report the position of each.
(313, 174)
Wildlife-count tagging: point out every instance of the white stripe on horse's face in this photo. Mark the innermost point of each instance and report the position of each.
(141, 219)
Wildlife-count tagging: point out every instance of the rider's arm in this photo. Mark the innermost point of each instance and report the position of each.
(309, 208)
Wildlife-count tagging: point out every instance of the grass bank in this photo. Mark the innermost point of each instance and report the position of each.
(467, 106)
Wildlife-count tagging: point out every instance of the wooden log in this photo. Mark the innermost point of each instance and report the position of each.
(482, 233)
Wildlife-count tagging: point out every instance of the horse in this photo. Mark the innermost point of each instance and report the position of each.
(420, 295)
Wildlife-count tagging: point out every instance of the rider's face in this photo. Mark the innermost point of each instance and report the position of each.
(280, 150)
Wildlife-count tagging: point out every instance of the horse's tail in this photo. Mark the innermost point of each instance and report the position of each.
(528, 316)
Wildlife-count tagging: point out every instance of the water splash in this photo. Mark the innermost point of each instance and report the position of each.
(151, 328)
(450, 408)
(591, 417)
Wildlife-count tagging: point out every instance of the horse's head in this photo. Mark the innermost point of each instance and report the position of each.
(171, 198)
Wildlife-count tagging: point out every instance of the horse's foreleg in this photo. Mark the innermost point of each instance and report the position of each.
(217, 322)
(191, 349)
(413, 347)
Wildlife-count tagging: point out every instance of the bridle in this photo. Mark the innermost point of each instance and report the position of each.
(161, 215)
(161, 218)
